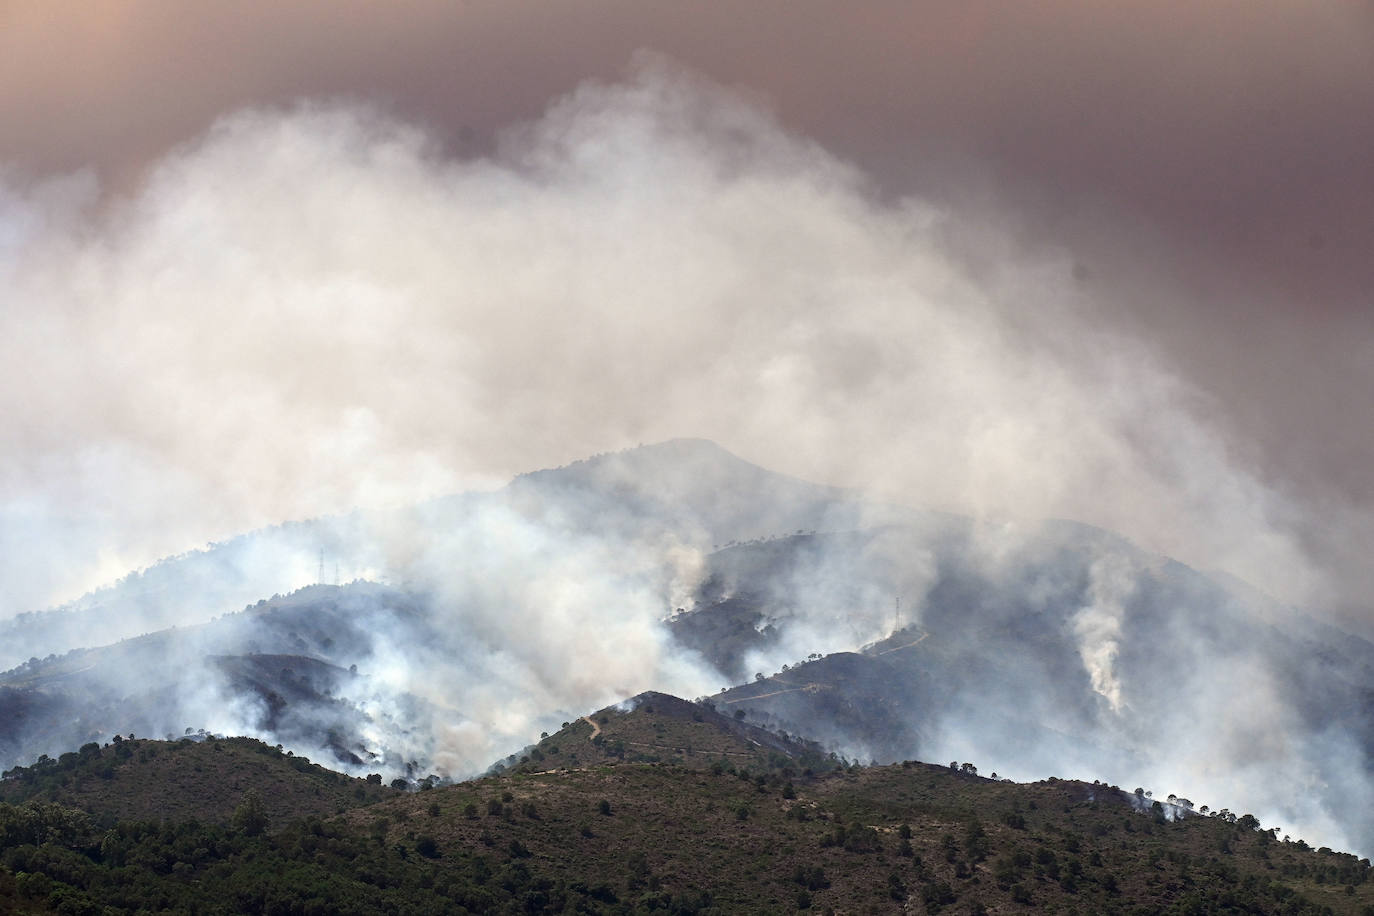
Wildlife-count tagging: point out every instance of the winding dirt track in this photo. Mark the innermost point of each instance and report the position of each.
(809, 687)
(596, 729)
(907, 646)
(815, 687)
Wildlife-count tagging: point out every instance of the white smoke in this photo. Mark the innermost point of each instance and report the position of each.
(313, 308)
(357, 319)
(1098, 625)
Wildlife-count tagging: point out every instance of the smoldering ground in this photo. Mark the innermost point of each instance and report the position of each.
(360, 317)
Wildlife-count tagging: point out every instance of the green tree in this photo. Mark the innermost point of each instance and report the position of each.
(250, 817)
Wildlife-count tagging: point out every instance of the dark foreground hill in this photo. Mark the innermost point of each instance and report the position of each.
(739, 827)
(202, 777)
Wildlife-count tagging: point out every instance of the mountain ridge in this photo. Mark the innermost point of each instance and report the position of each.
(1037, 646)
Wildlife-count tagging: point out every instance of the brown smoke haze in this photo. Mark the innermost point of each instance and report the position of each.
(1104, 261)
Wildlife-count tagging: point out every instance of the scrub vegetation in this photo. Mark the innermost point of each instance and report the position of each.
(627, 822)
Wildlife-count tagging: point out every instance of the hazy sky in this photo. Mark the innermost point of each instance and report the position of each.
(1114, 261)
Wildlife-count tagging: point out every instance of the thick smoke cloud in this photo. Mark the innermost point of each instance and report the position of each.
(1101, 263)
(317, 306)
(363, 318)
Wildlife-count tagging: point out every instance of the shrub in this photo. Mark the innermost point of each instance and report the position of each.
(860, 838)
(937, 895)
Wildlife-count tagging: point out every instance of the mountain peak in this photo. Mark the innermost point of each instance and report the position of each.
(697, 454)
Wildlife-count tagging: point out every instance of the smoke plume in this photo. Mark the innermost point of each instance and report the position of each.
(317, 306)
(359, 318)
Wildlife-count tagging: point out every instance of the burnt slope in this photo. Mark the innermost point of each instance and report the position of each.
(294, 669)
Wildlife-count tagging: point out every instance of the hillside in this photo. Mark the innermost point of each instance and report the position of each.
(862, 705)
(196, 641)
(204, 778)
(658, 728)
(283, 668)
(1042, 647)
(706, 833)
(742, 842)
(884, 634)
(690, 488)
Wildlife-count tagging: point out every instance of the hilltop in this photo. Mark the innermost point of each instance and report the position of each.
(205, 778)
(655, 727)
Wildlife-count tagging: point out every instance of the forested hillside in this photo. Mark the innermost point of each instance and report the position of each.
(657, 806)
